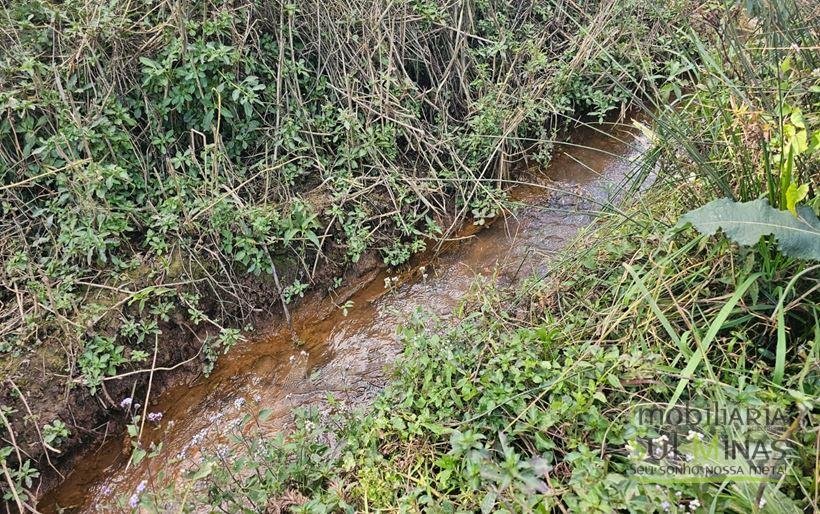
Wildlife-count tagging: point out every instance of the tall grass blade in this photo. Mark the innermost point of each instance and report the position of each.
(703, 346)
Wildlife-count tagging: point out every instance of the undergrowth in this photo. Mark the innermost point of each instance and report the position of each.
(156, 156)
(529, 403)
(167, 167)
(531, 400)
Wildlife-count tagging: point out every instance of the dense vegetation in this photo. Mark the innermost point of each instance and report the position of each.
(168, 164)
(181, 164)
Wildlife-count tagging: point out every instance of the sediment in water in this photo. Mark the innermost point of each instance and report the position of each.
(344, 353)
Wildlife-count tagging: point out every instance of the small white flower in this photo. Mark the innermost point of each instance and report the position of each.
(198, 438)
(694, 504)
(692, 435)
(762, 503)
(665, 505)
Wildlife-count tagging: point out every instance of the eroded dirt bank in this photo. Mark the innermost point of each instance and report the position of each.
(344, 352)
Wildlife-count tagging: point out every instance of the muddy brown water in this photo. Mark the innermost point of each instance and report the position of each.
(346, 356)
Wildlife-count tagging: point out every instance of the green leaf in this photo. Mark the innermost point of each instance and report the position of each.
(137, 456)
(814, 145)
(148, 62)
(657, 310)
(703, 345)
(289, 234)
(786, 65)
(202, 472)
(780, 355)
(746, 222)
(795, 195)
(313, 238)
(488, 502)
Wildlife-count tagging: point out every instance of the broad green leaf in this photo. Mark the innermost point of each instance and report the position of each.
(290, 234)
(786, 65)
(796, 118)
(488, 502)
(800, 142)
(795, 195)
(746, 222)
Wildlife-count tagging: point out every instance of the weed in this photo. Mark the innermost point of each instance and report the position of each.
(533, 409)
(155, 155)
(54, 433)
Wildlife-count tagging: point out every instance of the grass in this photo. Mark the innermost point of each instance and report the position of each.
(168, 167)
(531, 401)
(295, 154)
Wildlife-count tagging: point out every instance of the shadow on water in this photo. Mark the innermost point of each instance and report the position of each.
(346, 355)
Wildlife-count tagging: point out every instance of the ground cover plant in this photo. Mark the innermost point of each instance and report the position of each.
(170, 168)
(526, 403)
(168, 164)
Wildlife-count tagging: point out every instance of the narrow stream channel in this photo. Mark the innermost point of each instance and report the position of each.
(346, 356)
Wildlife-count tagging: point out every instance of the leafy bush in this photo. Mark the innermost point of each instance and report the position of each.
(142, 144)
(160, 161)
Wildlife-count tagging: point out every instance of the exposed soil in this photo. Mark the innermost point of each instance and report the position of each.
(37, 384)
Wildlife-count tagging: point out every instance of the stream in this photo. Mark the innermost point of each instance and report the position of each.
(346, 356)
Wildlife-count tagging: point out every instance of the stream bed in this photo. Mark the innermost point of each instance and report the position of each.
(346, 354)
